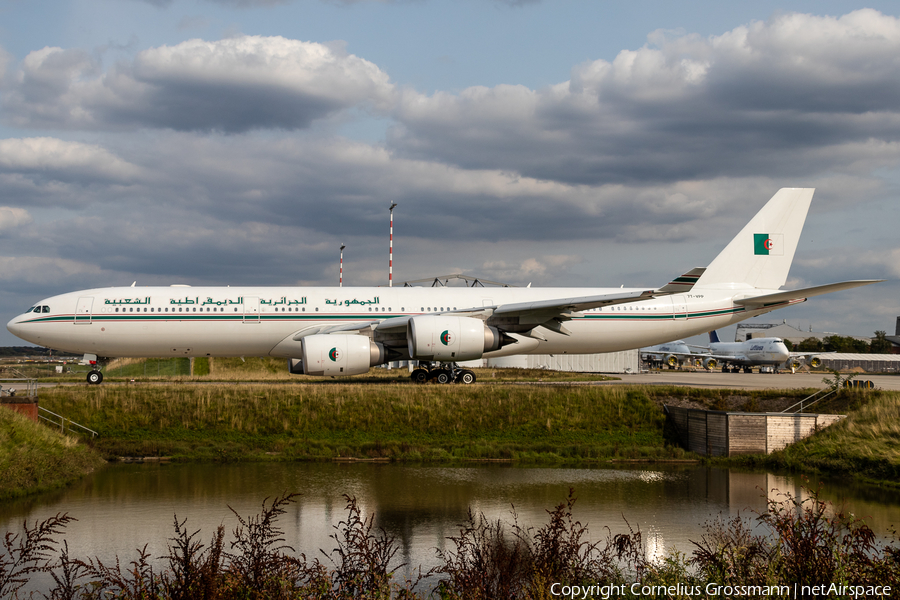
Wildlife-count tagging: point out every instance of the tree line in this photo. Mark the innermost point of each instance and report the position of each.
(843, 344)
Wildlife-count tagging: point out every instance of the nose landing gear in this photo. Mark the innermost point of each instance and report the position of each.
(94, 377)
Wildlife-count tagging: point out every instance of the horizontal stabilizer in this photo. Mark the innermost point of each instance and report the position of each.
(779, 297)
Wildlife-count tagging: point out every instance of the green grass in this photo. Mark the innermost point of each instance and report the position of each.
(866, 444)
(400, 422)
(35, 458)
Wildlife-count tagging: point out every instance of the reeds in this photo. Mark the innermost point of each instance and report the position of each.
(800, 542)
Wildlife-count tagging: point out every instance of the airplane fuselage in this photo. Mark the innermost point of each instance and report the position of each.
(754, 352)
(260, 321)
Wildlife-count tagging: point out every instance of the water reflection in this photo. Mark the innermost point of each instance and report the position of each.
(127, 506)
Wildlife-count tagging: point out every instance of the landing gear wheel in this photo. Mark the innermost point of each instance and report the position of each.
(466, 377)
(419, 376)
(95, 377)
(442, 376)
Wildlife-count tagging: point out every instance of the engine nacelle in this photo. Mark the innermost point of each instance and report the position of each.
(331, 355)
(815, 362)
(447, 338)
(710, 363)
(671, 360)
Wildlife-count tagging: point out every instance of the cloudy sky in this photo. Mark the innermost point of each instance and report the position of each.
(562, 143)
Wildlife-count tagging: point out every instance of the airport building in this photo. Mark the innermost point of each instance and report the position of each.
(746, 331)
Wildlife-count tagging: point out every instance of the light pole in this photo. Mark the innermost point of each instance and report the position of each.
(391, 250)
(341, 276)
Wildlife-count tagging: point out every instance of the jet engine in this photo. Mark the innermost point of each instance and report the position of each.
(795, 364)
(671, 360)
(710, 363)
(337, 355)
(815, 362)
(447, 338)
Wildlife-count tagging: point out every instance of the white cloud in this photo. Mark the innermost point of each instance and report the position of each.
(61, 160)
(796, 94)
(12, 217)
(233, 84)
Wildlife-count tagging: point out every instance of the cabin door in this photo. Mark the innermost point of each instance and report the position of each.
(251, 309)
(679, 307)
(83, 310)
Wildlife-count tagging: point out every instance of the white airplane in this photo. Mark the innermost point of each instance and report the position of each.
(671, 353)
(737, 356)
(345, 331)
(755, 352)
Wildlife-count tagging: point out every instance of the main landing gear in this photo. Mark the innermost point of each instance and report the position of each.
(445, 373)
(95, 377)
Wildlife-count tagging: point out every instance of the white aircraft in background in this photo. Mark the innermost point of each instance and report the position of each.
(671, 354)
(755, 352)
(345, 331)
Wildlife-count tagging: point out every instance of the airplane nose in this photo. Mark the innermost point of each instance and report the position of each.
(15, 327)
(782, 351)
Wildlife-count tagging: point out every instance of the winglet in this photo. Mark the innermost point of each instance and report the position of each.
(682, 284)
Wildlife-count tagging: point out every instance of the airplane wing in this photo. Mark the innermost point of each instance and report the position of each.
(361, 327)
(521, 316)
(802, 294)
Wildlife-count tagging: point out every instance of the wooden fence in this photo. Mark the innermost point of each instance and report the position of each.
(718, 433)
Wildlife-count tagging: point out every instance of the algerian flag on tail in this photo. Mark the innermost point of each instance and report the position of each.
(768, 244)
(760, 255)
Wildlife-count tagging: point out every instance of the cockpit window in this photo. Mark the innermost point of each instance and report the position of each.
(32, 309)
(45, 309)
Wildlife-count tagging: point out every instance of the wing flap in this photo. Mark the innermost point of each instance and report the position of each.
(559, 306)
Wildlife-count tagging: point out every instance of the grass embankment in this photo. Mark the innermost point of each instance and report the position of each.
(865, 445)
(34, 458)
(549, 424)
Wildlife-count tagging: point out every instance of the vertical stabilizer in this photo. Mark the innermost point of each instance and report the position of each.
(713, 337)
(760, 255)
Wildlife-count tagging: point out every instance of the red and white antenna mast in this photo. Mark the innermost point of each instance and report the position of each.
(391, 249)
(341, 276)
